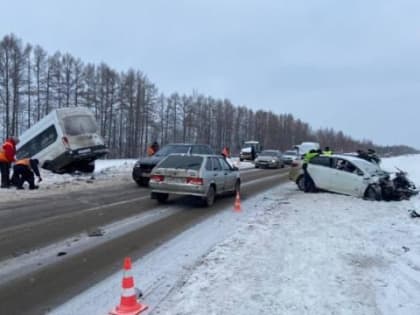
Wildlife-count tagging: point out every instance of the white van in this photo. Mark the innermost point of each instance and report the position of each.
(305, 147)
(64, 141)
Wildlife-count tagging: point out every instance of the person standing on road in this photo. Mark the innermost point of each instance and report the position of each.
(226, 152)
(24, 170)
(7, 156)
(306, 176)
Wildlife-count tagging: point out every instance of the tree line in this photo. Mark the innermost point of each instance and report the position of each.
(131, 112)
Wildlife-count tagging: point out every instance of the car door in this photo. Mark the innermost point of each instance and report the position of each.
(319, 168)
(346, 179)
(218, 174)
(229, 175)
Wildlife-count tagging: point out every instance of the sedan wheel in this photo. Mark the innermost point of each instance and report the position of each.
(209, 199)
(301, 183)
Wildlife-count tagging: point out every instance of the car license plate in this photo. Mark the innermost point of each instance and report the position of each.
(178, 180)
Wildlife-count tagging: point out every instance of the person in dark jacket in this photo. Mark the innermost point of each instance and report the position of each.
(308, 182)
(24, 170)
(7, 156)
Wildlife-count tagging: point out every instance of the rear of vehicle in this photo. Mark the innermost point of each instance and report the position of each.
(82, 142)
(203, 176)
(143, 167)
(249, 150)
(296, 173)
(66, 140)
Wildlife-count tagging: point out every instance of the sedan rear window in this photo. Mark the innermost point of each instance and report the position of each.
(182, 161)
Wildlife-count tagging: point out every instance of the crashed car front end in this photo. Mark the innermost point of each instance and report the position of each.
(397, 187)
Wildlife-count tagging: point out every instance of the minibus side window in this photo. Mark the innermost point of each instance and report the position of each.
(38, 143)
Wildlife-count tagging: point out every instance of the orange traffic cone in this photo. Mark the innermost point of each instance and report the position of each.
(237, 206)
(128, 304)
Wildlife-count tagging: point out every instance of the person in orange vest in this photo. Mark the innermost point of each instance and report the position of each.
(24, 170)
(7, 156)
(226, 152)
(152, 149)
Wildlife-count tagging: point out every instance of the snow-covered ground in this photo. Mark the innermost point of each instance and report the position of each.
(286, 252)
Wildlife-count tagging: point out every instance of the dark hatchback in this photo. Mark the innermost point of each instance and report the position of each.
(144, 166)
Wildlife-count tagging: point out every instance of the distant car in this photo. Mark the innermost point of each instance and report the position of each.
(204, 176)
(143, 167)
(289, 156)
(269, 159)
(342, 174)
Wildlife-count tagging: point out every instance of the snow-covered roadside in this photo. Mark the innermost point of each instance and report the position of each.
(107, 172)
(286, 253)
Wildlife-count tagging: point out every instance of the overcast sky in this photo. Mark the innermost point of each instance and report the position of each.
(350, 65)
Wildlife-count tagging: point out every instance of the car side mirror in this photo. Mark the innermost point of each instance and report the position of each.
(235, 168)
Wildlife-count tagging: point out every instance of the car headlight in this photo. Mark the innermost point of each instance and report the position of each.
(273, 161)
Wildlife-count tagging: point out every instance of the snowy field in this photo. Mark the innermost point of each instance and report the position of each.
(286, 252)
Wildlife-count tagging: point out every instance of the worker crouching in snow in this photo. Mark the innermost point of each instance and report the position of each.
(24, 170)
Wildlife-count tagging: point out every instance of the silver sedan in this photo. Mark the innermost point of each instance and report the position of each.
(204, 176)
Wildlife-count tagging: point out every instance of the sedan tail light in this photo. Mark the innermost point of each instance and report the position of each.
(157, 178)
(194, 181)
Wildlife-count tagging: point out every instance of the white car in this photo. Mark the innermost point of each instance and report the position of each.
(289, 156)
(343, 174)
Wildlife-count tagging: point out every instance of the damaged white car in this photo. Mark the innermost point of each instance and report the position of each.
(353, 176)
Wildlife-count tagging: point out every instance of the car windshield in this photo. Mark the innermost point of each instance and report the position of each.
(169, 149)
(290, 152)
(368, 167)
(182, 161)
(269, 153)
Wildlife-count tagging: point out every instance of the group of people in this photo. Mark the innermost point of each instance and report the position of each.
(23, 169)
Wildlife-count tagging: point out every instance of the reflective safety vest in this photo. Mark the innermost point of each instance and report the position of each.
(25, 162)
(3, 157)
(327, 152)
(309, 156)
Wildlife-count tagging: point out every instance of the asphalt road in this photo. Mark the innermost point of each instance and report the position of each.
(35, 226)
